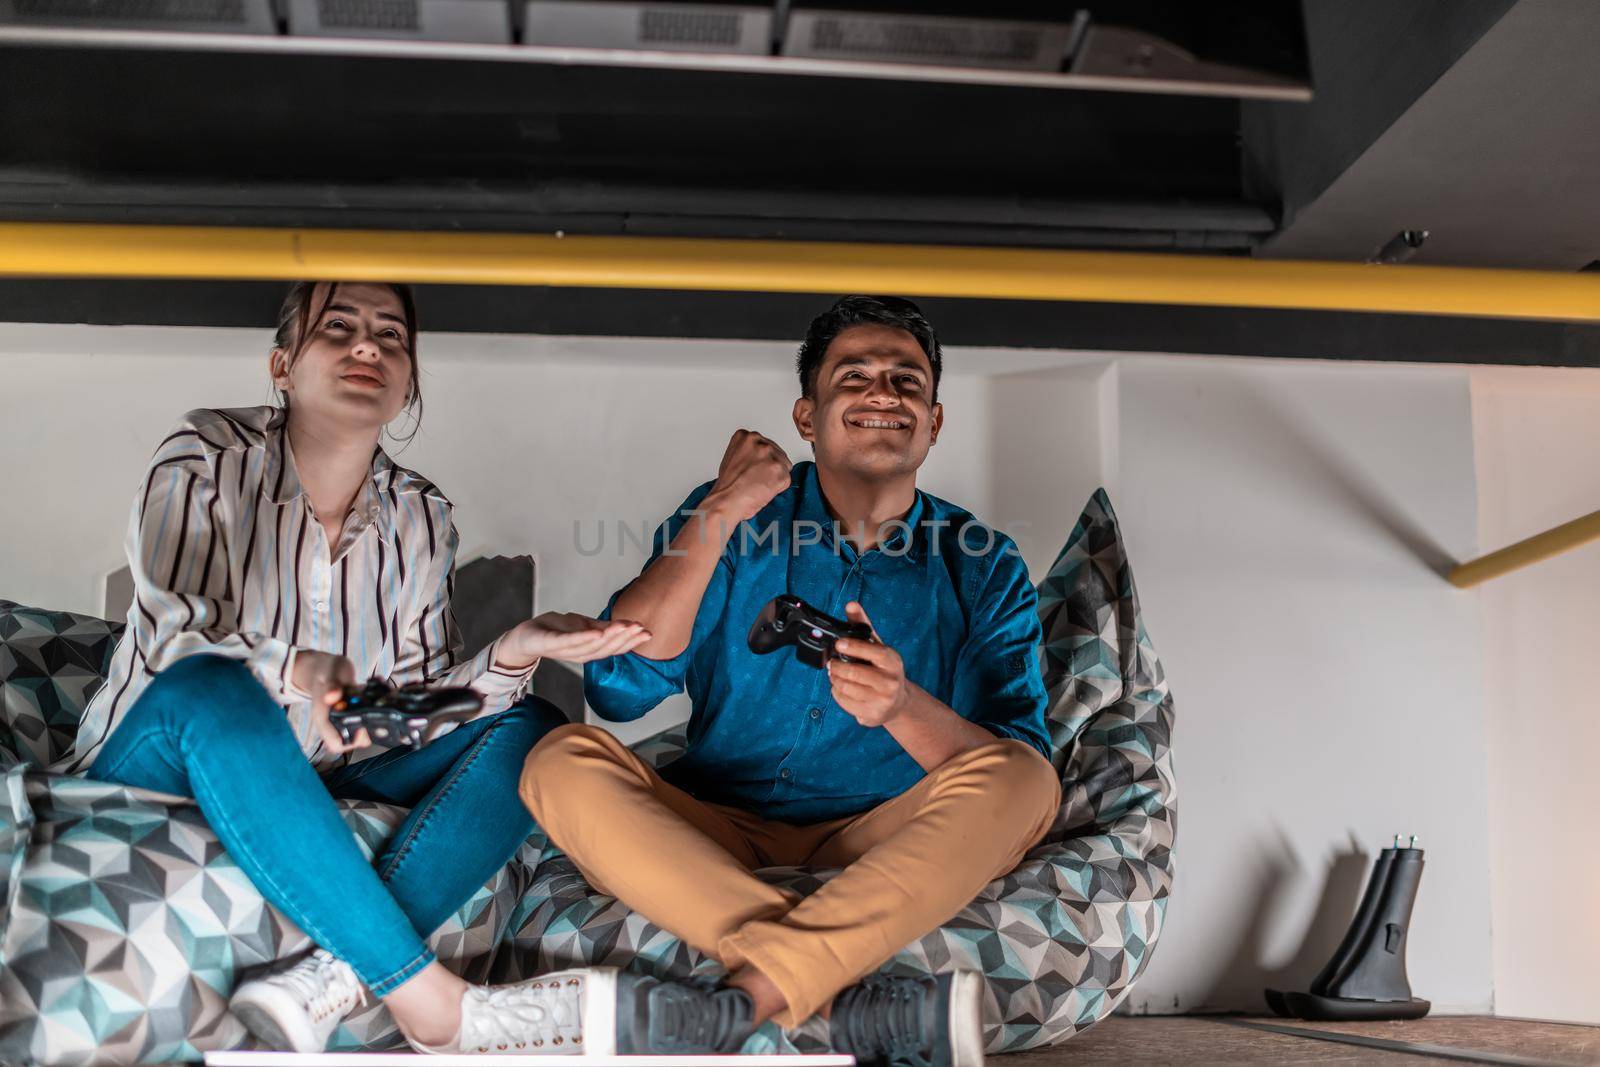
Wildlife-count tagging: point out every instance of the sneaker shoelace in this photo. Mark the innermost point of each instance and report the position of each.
(325, 985)
(688, 1017)
(883, 1019)
(531, 1015)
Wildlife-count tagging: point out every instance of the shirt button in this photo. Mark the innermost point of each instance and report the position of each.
(786, 773)
(320, 605)
(816, 713)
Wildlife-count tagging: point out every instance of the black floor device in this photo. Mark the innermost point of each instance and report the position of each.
(1366, 978)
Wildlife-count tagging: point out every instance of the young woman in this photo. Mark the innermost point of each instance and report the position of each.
(279, 555)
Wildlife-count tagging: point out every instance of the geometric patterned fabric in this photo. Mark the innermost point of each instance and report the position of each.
(51, 662)
(124, 925)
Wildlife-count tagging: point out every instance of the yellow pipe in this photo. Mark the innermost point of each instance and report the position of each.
(79, 250)
(1535, 549)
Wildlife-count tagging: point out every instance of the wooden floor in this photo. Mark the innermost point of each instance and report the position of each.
(1187, 1040)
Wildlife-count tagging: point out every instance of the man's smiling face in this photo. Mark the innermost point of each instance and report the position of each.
(871, 412)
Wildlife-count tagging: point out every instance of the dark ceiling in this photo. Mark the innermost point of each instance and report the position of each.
(1404, 126)
(333, 119)
(340, 140)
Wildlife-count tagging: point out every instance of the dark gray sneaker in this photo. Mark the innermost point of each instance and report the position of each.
(911, 1022)
(680, 1018)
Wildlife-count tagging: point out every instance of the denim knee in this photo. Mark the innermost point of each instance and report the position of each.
(207, 689)
(529, 719)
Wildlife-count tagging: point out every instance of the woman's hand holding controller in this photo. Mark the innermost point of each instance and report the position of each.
(323, 676)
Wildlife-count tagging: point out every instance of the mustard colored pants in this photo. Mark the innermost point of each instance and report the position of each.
(910, 864)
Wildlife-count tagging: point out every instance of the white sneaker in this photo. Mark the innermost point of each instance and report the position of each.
(298, 1009)
(561, 1013)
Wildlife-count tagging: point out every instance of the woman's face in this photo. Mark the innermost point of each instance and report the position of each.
(355, 369)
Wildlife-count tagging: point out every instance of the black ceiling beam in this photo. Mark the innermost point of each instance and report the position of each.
(23, 188)
(783, 317)
(644, 210)
(132, 136)
(179, 116)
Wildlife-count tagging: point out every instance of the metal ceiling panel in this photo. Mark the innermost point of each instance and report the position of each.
(479, 21)
(740, 29)
(190, 16)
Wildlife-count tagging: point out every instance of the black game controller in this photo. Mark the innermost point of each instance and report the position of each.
(404, 716)
(788, 620)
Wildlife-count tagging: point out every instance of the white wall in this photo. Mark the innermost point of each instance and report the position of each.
(1327, 682)
(1048, 455)
(1538, 440)
(1281, 519)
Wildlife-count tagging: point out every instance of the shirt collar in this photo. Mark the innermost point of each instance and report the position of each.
(909, 540)
(281, 482)
(280, 479)
(912, 539)
(373, 503)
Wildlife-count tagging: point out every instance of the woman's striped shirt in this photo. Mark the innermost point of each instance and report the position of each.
(228, 558)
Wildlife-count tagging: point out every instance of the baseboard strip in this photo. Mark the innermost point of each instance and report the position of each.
(1415, 1048)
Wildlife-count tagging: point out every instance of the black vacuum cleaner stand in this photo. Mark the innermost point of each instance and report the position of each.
(1366, 978)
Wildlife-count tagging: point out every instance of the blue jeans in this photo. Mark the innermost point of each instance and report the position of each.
(205, 728)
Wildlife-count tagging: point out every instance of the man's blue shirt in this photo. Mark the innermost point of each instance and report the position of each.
(950, 595)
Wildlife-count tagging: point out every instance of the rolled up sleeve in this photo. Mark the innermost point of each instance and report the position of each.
(998, 684)
(623, 688)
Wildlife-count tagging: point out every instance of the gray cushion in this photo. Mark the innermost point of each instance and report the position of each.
(51, 663)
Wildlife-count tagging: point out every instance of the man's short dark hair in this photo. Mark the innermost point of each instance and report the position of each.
(856, 310)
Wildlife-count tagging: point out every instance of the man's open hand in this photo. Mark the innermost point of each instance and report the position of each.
(874, 688)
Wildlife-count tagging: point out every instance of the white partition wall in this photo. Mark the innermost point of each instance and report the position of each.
(1283, 520)
(1538, 442)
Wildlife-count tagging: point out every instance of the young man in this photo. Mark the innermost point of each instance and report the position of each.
(919, 766)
